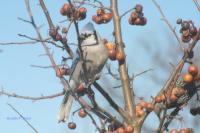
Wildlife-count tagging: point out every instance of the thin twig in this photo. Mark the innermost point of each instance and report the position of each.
(31, 42)
(46, 12)
(63, 81)
(24, 20)
(18, 43)
(197, 4)
(29, 124)
(170, 83)
(2, 92)
(143, 72)
(91, 96)
(111, 101)
(115, 76)
(173, 113)
(44, 67)
(126, 12)
(160, 128)
(47, 40)
(168, 24)
(51, 26)
(84, 105)
(94, 5)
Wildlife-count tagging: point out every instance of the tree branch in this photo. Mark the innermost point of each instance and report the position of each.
(128, 92)
(111, 102)
(197, 4)
(2, 92)
(168, 24)
(64, 83)
(51, 26)
(28, 123)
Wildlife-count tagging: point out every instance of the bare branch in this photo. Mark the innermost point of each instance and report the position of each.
(18, 43)
(112, 103)
(24, 20)
(197, 4)
(46, 12)
(168, 24)
(29, 124)
(115, 76)
(84, 105)
(94, 5)
(51, 26)
(139, 74)
(126, 12)
(173, 113)
(63, 81)
(44, 67)
(162, 122)
(170, 83)
(2, 92)
(127, 90)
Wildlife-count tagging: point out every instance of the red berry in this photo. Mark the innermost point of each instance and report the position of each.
(120, 56)
(53, 32)
(97, 19)
(138, 8)
(58, 37)
(106, 17)
(82, 10)
(71, 125)
(193, 31)
(158, 99)
(81, 87)
(173, 131)
(120, 130)
(82, 113)
(66, 9)
(187, 78)
(129, 129)
(143, 21)
(193, 70)
(100, 12)
(134, 16)
(112, 54)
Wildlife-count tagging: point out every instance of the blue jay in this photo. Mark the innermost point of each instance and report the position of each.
(94, 55)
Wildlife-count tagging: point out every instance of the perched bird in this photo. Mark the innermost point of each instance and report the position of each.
(94, 57)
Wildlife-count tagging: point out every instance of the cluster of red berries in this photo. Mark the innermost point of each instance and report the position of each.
(60, 72)
(77, 14)
(113, 53)
(171, 95)
(188, 30)
(136, 17)
(125, 129)
(174, 94)
(102, 17)
(185, 130)
(143, 106)
(55, 35)
(82, 114)
(192, 74)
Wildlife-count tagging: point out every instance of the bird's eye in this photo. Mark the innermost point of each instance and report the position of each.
(88, 35)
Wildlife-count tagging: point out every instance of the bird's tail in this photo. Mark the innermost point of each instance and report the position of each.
(65, 107)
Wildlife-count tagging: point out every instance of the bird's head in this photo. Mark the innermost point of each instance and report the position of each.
(89, 36)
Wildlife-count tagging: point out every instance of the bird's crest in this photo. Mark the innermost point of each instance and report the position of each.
(88, 28)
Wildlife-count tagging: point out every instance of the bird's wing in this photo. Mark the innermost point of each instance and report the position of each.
(74, 63)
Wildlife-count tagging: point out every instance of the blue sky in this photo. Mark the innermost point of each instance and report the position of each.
(17, 76)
